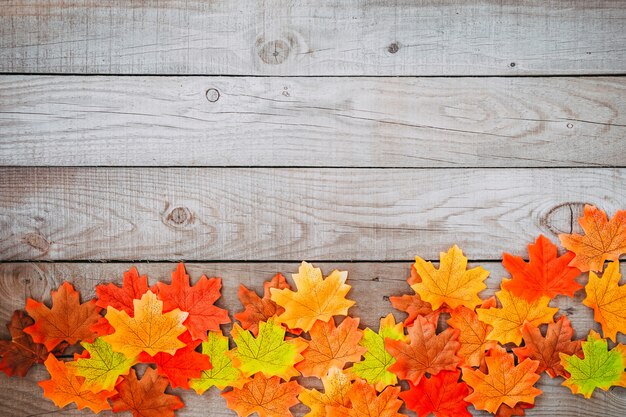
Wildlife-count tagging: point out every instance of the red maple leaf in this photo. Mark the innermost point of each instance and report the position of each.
(196, 300)
(133, 287)
(441, 394)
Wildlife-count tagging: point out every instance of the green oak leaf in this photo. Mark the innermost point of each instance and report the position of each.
(599, 368)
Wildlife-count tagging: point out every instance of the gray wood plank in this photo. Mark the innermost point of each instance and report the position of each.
(371, 282)
(289, 214)
(306, 37)
(276, 121)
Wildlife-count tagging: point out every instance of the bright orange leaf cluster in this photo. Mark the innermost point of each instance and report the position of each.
(455, 349)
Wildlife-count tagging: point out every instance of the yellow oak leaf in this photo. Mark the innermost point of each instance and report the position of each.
(608, 300)
(316, 298)
(452, 284)
(148, 331)
(336, 387)
(508, 320)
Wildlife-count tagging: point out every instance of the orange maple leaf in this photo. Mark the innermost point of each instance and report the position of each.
(20, 353)
(507, 321)
(258, 309)
(413, 305)
(68, 320)
(316, 298)
(426, 352)
(196, 300)
(472, 333)
(148, 331)
(331, 346)
(145, 397)
(452, 284)
(491, 389)
(65, 387)
(133, 287)
(545, 273)
(546, 349)
(603, 239)
(268, 397)
(608, 300)
(441, 394)
(337, 385)
(365, 402)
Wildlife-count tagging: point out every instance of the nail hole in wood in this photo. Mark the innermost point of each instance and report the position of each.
(393, 48)
(212, 95)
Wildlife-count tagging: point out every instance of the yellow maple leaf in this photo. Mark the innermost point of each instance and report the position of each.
(316, 298)
(608, 300)
(148, 331)
(452, 284)
(508, 320)
(337, 385)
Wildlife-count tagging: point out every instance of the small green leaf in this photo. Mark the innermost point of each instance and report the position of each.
(222, 374)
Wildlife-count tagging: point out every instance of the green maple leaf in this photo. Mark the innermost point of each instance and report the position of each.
(376, 361)
(268, 353)
(223, 373)
(103, 367)
(600, 367)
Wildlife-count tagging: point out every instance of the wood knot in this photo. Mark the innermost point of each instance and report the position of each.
(563, 218)
(37, 241)
(393, 48)
(212, 95)
(178, 217)
(274, 50)
(385, 298)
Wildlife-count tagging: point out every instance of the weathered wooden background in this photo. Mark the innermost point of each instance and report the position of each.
(244, 136)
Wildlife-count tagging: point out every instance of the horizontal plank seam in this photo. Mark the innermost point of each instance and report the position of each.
(317, 167)
(227, 261)
(95, 74)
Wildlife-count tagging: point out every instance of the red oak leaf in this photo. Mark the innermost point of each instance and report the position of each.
(196, 300)
(145, 397)
(442, 395)
(545, 273)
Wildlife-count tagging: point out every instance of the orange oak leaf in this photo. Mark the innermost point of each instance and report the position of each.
(472, 333)
(20, 353)
(148, 331)
(365, 402)
(68, 320)
(316, 298)
(426, 352)
(196, 300)
(65, 387)
(603, 239)
(442, 395)
(546, 274)
(608, 300)
(413, 305)
(331, 346)
(546, 349)
(133, 287)
(268, 397)
(492, 390)
(507, 321)
(452, 284)
(145, 397)
(337, 386)
(186, 363)
(258, 309)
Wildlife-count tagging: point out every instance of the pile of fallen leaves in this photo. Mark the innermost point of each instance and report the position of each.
(487, 354)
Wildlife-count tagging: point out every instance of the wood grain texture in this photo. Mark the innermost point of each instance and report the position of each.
(311, 37)
(371, 285)
(353, 122)
(289, 214)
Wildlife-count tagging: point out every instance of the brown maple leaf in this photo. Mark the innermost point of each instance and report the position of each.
(20, 353)
(426, 352)
(546, 349)
(68, 320)
(145, 397)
